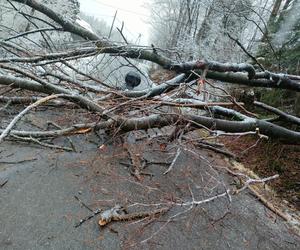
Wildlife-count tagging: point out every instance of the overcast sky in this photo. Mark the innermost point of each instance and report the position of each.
(132, 12)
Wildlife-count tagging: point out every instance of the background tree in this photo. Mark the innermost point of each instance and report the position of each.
(18, 18)
(280, 50)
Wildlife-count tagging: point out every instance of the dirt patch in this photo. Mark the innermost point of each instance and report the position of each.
(268, 158)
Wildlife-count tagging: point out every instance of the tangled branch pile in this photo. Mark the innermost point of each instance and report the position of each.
(175, 102)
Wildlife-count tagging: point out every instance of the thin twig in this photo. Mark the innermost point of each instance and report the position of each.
(44, 144)
(251, 181)
(173, 162)
(18, 162)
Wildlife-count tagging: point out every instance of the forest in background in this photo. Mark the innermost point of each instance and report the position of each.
(263, 33)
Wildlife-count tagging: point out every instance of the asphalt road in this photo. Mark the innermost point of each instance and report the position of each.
(38, 209)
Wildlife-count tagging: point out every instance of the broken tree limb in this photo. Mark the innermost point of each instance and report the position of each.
(157, 90)
(6, 131)
(73, 130)
(215, 66)
(241, 78)
(266, 128)
(22, 83)
(117, 214)
(39, 85)
(251, 181)
(97, 211)
(18, 82)
(197, 104)
(218, 150)
(229, 113)
(282, 115)
(162, 120)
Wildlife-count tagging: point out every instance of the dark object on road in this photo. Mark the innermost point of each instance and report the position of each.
(132, 79)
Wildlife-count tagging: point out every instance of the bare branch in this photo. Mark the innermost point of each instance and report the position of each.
(6, 131)
(282, 115)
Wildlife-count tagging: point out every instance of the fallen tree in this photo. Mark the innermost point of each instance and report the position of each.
(143, 109)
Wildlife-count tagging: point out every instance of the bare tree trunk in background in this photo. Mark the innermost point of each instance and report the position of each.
(276, 8)
(197, 13)
(204, 26)
(193, 15)
(29, 23)
(272, 18)
(286, 5)
(252, 41)
(178, 26)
